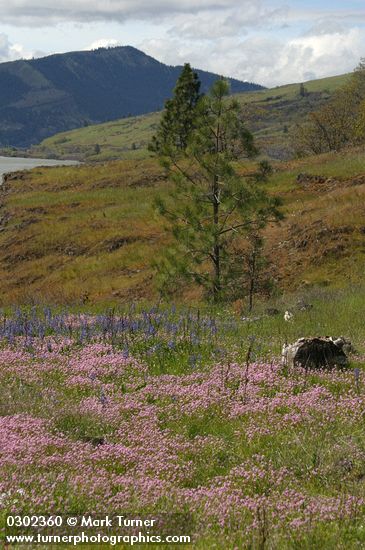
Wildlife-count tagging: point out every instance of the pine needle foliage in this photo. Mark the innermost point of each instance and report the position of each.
(178, 118)
(210, 206)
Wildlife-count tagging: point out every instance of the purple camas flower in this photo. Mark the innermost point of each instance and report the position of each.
(103, 398)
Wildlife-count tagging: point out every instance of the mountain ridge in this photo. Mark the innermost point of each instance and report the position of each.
(41, 97)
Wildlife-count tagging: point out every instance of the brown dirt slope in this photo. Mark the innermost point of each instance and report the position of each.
(89, 233)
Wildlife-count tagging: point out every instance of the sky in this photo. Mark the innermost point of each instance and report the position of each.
(271, 42)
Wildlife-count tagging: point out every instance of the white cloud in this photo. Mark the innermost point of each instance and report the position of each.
(229, 22)
(243, 12)
(46, 12)
(330, 54)
(347, 14)
(257, 40)
(268, 61)
(103, 43)
(325, 26)
(10, 52)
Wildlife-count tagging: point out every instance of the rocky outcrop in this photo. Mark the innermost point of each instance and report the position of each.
(316, 353)
(12, 176)
(305, 179)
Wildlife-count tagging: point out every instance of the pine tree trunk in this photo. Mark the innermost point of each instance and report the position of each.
(251, 293)
(252, 281)
(217, 274)
(217, 248)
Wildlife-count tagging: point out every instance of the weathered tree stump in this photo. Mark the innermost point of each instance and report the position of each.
(315, 353)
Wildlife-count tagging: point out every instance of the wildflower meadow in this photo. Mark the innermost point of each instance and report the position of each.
(160, 411)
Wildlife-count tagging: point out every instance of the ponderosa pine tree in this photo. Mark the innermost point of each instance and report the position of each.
(211, 206)
(178, 118)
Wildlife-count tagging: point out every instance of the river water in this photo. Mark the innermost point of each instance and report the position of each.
(12, 164)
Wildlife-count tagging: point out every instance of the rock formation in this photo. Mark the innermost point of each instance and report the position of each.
(316, 353)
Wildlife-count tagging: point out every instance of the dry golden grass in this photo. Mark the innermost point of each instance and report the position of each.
(90, 233)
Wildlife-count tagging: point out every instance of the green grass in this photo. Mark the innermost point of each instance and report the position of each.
(127, 138)
(267, 113)
(323, 462)
(290, 91)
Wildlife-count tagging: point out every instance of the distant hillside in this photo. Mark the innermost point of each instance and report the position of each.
(271, 114)
(107, 208)
(41, 97)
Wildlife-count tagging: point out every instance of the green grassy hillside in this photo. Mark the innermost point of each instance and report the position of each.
(271, 114)
(40, 97)
(89, 233)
